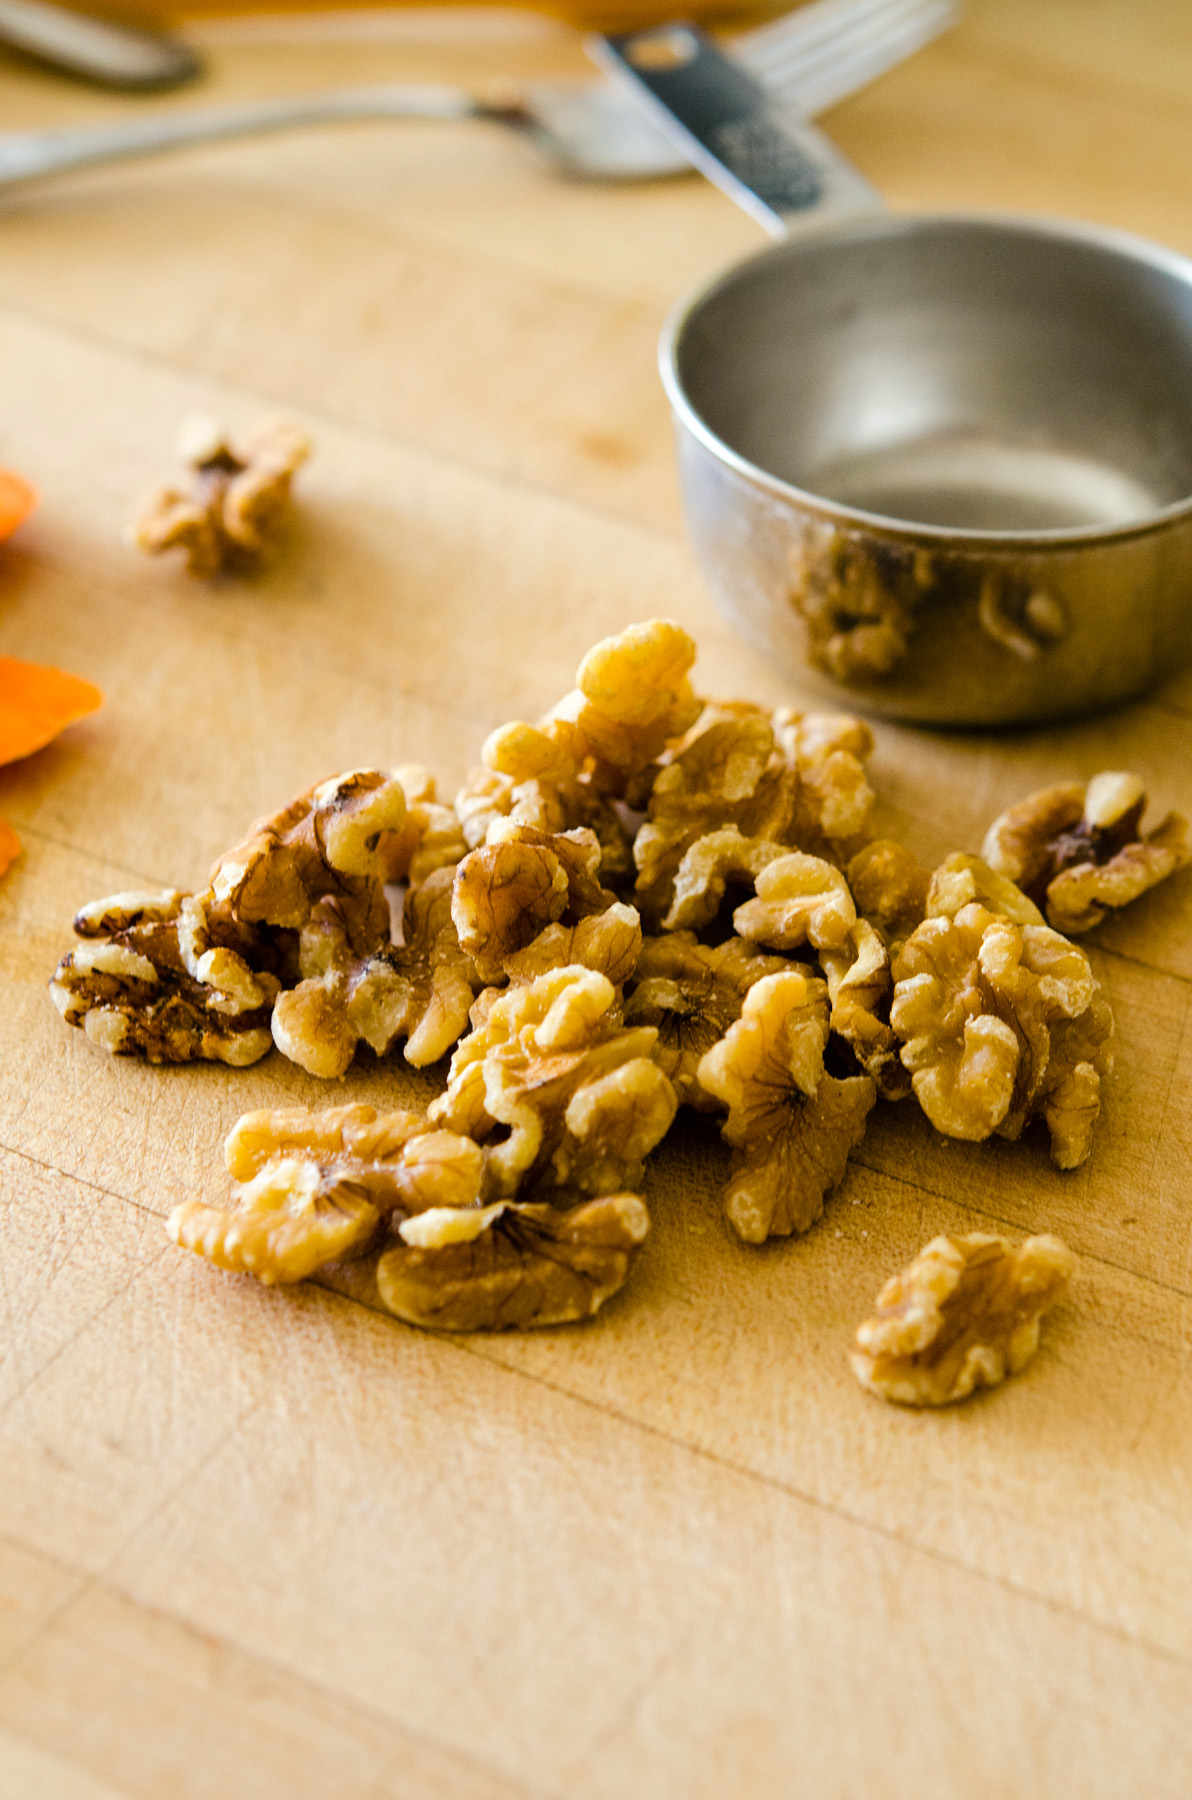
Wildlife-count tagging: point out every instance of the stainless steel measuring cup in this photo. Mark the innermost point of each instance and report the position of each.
(940, 465)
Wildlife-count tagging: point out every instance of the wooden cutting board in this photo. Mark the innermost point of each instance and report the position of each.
(266, 1544)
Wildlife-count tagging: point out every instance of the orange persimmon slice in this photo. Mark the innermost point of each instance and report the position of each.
(10, 846)
(17, 500)
(36, 703)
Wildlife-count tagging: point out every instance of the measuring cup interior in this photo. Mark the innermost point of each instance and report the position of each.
(975, 375)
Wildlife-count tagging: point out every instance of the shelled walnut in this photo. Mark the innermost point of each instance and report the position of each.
(889, 890)
(609, 942)
(171, 978)
(794, 780)
(976, 999)
(430, 836)
(861, 989)
(799, 900)
(962, 880)
(517, 883)
(420, 990)
(231, 513)
(791, 1125)
(511, 1264)
(1080, 851)
(318, 1187)
(632, 697)
(965, 1314)
(333, 842)
(579, 1094)
(691, 994)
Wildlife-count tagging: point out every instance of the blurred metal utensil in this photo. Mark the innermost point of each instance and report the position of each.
(119, 56)
(596, 132)
(938, 466)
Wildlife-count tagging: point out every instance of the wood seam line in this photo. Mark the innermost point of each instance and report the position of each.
(1087, 1256)
(93, 1773)
(161, 361)
(89, 1577)
(19, 1392)
(345, 1702)
(104, 862)
(744, 1471)
(245, 629)
(904, 1540)
(1015, 1225)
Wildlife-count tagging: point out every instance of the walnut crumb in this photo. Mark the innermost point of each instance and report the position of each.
(232, 511)
(965, 1314)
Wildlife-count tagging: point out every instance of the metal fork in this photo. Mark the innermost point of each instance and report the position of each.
(593, 131)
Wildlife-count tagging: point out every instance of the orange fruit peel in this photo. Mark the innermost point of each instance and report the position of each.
(17, 500)
(36, 703)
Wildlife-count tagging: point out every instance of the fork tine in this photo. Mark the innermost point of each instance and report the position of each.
(808, 96)
(858, 27)
(805, 28)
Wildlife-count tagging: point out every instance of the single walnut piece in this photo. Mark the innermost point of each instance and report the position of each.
(790, 1124)
(692, 994)
(609, 942)
(976, 999)
(889, 890)
(861, 989)
(965, 1314)
(796, 780)
(860, 597)
(171, 978)
(430, 836)
(706, 786)
(1080, 852)
(799, 899)
(703, 877)
(519, 882)
(232, 512)
(318, 1186)
(420, 990)
(632, 697)
(1069, 1095)
(962, 880)
(333, 842)
(833, 800)
(511, 1264)
(581, 1098)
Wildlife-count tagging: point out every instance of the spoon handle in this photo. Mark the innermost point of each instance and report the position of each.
(113, 55)
(24, 155)
(783, 173)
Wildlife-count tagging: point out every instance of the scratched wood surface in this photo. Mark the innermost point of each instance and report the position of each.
(260, 1544)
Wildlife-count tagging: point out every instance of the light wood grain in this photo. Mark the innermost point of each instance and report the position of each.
(271, 1544)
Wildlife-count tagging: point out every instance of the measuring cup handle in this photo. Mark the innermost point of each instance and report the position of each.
(785, 175)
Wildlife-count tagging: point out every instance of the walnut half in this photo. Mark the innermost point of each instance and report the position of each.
(511, 1264)
(1080, 852)
(965, 1314)
(317, 1187)
(791, 1125)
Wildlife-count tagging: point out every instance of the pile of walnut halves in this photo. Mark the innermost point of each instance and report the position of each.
(644, 901)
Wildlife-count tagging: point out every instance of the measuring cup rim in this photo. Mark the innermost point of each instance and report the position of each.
(1105, 238)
